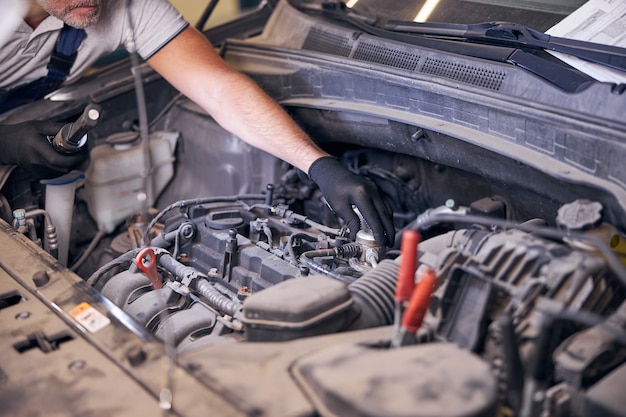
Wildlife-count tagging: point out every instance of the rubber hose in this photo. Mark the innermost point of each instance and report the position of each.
(373, 294)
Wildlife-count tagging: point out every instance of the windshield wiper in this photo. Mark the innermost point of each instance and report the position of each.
(504, 34)
(517, 36)
(501, 42)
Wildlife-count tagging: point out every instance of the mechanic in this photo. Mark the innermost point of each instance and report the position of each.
(84, 30)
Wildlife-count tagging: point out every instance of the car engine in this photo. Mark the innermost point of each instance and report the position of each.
(535, 306)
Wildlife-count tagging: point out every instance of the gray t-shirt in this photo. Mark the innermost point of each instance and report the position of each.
(24, 56)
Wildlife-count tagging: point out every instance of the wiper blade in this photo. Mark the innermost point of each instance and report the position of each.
(371, 24)
(517, 36)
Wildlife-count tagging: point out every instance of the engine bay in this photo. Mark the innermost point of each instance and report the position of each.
(534, 305)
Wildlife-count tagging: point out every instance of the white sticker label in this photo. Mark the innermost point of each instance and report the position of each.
(90, 318)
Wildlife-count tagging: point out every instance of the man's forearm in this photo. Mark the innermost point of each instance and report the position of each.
(254, 117)
(239, 105)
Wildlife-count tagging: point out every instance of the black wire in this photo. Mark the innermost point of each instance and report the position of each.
(308, 258)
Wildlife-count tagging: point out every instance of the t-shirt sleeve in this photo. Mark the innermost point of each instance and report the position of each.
(155, 23)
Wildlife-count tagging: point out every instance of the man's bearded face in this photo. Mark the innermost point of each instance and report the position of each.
(76, 13)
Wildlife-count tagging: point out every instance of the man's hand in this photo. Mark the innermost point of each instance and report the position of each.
(343, 189)
(25, 145)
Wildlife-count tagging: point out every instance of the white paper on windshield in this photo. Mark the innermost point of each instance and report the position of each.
(598, 21)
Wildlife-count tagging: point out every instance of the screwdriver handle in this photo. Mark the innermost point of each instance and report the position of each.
(73, 136)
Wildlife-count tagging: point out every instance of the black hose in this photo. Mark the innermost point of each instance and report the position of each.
(164, 240)
(290, 242)
(216, 299)
(122, 261)
(181, 271)
(194, 279)
(92, 246)
(308, 258)
(374, 295)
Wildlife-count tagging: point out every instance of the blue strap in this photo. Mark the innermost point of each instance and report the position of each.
(61, 61)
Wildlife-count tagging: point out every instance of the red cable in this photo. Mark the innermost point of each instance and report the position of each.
(420, 300)
(406, 273)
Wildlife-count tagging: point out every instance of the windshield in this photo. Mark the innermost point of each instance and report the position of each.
(539, 15)
(224, 11)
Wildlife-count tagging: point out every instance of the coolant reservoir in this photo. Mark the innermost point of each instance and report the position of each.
(586, 216)
(114, 186)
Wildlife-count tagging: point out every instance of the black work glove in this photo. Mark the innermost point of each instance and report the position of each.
(26, 145)
(343, 189)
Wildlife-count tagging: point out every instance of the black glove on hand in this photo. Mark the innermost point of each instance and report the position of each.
(25, 145)
(343, 189)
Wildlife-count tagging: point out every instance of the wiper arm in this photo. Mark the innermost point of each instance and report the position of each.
(517, 36)
(371, 24)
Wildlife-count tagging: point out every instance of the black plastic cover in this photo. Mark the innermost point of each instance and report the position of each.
(296, 308)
